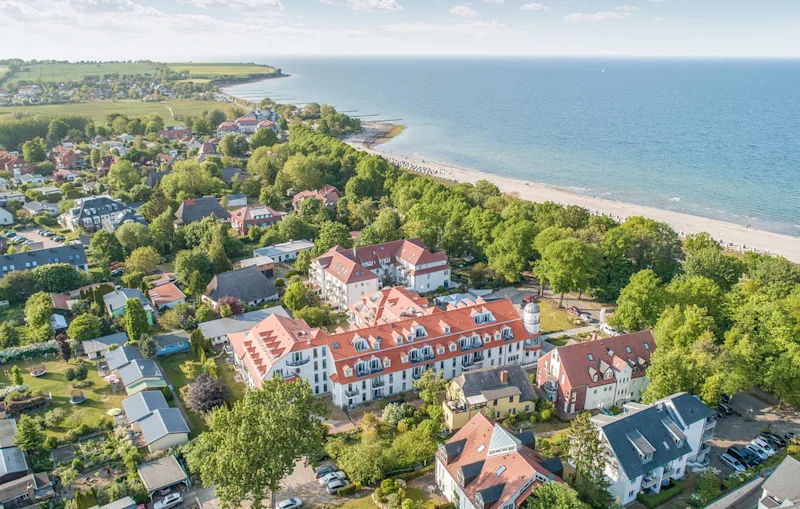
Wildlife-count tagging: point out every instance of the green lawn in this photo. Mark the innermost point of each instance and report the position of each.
(552, 319)
(59, 72)
(211, 70)
(99, 398)
(365, 502)
(97, 110)
(172, 370)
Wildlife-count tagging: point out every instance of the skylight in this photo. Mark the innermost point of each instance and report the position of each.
(628, 349)
(335, 345)
(590, 356)
(481, 448)
(647, 346)
(500, 469)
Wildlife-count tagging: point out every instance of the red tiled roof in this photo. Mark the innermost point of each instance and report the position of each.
(516, 468)
(248, 212)
(246, 121)
(608, 352)
(228, 126)
(391, 304)
(165, 293)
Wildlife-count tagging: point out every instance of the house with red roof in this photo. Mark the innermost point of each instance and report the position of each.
(360, 365)
(174, 133)
(16, 165)
(227, 128)
(327, 193)
(486, 465)
(343, 276)
(254, 215)
(389, 305)
(247, 124)
(65, 159)
(596, 374)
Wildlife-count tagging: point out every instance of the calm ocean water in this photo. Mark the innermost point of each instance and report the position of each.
(718, 139)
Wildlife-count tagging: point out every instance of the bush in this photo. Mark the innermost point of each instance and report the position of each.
(449, 505)
(665, 495)
(348, 490)
(546, 415)
(16, 353)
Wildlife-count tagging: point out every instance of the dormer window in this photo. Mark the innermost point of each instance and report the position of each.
(447, 329)
(487, 338)
(361, 345)
(387, 363)
(594, 378)
(410, 338)
(419, 331)
(404, 358)
(348, 372)
(440, 350)
(607, 375)
(452, 347)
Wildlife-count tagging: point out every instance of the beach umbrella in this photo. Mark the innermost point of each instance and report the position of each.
(114, 412)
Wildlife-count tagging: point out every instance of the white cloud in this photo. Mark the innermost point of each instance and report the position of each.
(472, 28)
(627, 8)
(238, 4)
(497, 2)
(368, 5)
(464, 11)
(534, 6)
(582, 17)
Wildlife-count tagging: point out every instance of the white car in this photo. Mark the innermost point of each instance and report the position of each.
(732, 462)
(336, 485)
(290, 503)
(169, 501)
(325, 479)
(758, 451)
(764, 445)
(611, 331)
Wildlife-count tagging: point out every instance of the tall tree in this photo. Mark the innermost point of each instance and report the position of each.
(135, 319)
(512, 250)
(122, 176)
(64, 348)
(331, 234)
(133, 235)
(250, 448)
(38, 309)
(430, 385)
(105, 247)
(568, 265)
(84, 327)
(587, 455)
(143, 259)
(640, 303)
(555, 495)
(162, 231)
(148, 346)
(29, 437)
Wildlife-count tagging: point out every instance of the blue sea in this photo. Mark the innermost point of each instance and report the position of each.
(718, 139)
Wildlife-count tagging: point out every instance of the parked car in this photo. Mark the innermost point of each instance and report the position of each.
(335, 486)
(40, 232)
(325, 470)
(118, 272)
(325, 479)
(528, 299)
(586, 318)
(290, 503)
(10, 235)
(48, 233)
(75, 242)
(758, 451)
(725, 408)
(165, 491)
(59, 239)
(611, 331)
(573, 310)
(752, 455)
(764, 445)
(732, 462)
(169, 501)
(741, 456)
(773, 439)
(789, 436)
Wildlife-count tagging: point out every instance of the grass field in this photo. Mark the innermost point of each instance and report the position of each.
(99, 398)
(97, 110)
(3, 70)
(58, 72)
(210, 70)
(552, 319)
(172, 370)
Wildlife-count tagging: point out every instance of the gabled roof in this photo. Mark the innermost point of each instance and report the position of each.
(142, 404)
(102, 343)
(165, 294)
(73, 255)
(162, 422)
(255, 212)
(119, 298)
(391, 304)
(784, 483)
(243, 322)
(248, 284)
(483, 385)
(174, 337)
(121, 356)
(196, 209)
(138, 370)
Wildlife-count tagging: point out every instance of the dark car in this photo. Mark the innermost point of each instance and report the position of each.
(724, 408)
(325, 470)
(789, 436)
(773, 439)
(118, 272)
(753, 456)
(741, 456)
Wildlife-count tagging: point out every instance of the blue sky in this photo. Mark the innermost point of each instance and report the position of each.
(256, 29)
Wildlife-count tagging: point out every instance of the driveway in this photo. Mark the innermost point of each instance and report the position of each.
(47, 241)
(303, 483)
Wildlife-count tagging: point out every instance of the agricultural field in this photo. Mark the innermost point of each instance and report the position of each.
(99, 398)
(211, 70)
(3, 70)
(60, 72)
(97, 110)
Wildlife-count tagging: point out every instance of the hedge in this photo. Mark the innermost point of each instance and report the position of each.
(662, 497)
(449, 505)
(416, 473)
(16, 353)
(348, 490)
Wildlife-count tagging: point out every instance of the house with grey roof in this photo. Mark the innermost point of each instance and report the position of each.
(36, 208)
(163, 429)
(163, 473)
(94, 212)
(217, 330)
(172, 342)
(12, 460)
(140, 375)
(122, 356)
(286, 251)
(116, 301)
(647, 446)
(73, 255)
(196, 209)
(249, 285)
(98, 347)
(122, 503)
(782, 487)
(26, 491)
(142, 404)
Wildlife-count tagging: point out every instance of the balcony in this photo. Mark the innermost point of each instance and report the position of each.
(466, 366)
(422, 358)
(710, 425)
(296, 362)
(470, 346)
(707, 435)
(351, 392)
(649, 481)
(377, 382)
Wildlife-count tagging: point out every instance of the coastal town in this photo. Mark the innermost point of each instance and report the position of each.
(248, 305)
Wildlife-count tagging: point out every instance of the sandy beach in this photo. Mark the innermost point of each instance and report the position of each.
(732, 236)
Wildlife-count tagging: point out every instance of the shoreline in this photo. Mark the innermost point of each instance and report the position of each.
(732, 236)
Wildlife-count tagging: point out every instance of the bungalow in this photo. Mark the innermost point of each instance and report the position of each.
(141, 405)
(249, 285)
(66, 175)
(116, 301)
(12, 459)
(264, 263)
(217, 330)
(122, 503)
(8, 196)
(163, 429)
(172, 342)
(38, 208)
(26, 491)
(197, 209)
(166, 295)
(30, 180)
(6, 217)
(141, 375)
(97, 348)
(285, 252)
(122, 356)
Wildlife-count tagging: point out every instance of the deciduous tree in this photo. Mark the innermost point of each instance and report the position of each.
(84, 327)
(30, 437)
(206, 393)
(135, 319)
(105, 247)
(38, 309)
(143, 260)
(640, 303)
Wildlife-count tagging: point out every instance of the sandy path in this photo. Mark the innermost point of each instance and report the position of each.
(731, 235)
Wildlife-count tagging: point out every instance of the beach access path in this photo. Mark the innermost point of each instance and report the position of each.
(733, 236)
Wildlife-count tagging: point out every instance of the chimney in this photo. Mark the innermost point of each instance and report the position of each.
(504, 377)
(594, 336)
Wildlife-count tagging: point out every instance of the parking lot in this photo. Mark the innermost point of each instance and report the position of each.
(47, 242)
(736, 430)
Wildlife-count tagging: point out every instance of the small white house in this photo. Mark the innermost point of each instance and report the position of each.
(6, 217)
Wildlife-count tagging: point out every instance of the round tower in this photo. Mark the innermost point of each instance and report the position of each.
(530, 318)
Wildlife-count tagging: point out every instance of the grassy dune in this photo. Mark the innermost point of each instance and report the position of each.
(211, 70)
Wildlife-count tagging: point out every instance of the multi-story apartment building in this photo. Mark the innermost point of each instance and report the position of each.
(374, 362)
(485, 465)
(343, 276)
(648, 445)
(389, 305)
(98, 212)
(596, 374)
(73, 255)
